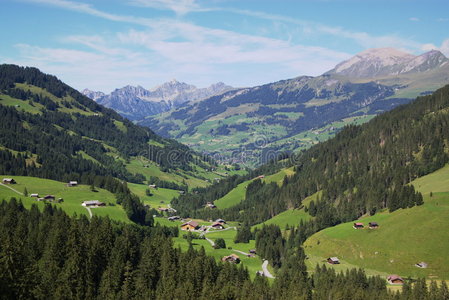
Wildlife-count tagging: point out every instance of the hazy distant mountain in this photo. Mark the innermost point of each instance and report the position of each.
(137, 102)
(384, 62)
(299, 112)
(94, 95)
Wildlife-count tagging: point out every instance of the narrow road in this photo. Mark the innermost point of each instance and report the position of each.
(7, 186)
(90, 212)
(210, 241)
(241, 252)
(266, 273)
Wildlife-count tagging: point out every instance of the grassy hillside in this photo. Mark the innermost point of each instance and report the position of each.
(236, 195)
(161, 197)
(73, 196)
(290, 217)
(404, 238)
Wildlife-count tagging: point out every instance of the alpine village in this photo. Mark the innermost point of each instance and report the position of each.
(326, 187)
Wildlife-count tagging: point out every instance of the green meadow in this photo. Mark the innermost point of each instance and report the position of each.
(161, 197)
(238, 194)
(73, 196)
(405, 237)
(290, 217)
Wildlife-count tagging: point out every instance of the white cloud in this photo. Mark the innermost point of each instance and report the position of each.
(414, 19)
(180, 7)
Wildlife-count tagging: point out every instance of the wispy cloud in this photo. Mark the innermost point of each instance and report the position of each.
(180, 7)
(414, 19)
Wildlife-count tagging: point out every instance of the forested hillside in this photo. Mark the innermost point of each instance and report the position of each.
(50, 130)
(97, 259)
(362, 170)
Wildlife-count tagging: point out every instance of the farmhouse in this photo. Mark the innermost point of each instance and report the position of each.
(189, 226)
(210, 205)
(373, 225)
(34, 195)
(92, 203)
(395, 279)
(261, 176)
(8, 181)
(49, 197)
(162, 209)
(231, 258)
(72, 183)
(174, 218)
(217, 225)
(220, 221)
(252, 251)
(333, 260)
(153, 186)
(358, 225)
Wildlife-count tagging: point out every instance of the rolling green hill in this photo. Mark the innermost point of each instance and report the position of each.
(237, 195)
(73, 196)
(404, 238)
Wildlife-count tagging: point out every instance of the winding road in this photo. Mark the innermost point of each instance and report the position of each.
(266, 273)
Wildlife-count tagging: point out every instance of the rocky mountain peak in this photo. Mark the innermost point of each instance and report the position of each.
(382, 62)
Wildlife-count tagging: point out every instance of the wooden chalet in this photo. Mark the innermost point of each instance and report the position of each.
(252, 251)
(373, 225)
(153, 186)
(210, 205)
(72, 183)
(174, 218)
(220, 221)
(217, 225)
(49, 197)
(93, 203)
(333, 260)
(189, 226)
(8, 181)
(395, 279)
(233, 258)
(34, 195)
(358, 225)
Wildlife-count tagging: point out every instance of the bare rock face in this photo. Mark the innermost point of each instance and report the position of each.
(384, 62)
(136, 102)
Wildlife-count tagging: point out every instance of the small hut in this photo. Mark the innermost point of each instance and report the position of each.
(373, 225)
(333, 260)
(358, 226)
(395, 279)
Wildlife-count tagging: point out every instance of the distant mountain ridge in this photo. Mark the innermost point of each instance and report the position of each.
(296, 113)
(136, 102)
(374, 63)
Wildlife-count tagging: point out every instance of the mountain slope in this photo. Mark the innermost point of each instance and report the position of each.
(393, 248)
(137, 103)
(50, 130)
(266, 119)
(363, 170)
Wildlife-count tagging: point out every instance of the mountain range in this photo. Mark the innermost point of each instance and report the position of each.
(136, 102)
(253, 124)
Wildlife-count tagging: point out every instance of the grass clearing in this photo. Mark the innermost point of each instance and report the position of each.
(73, 196)
(405, 237)
(290, 217)
(161, 197)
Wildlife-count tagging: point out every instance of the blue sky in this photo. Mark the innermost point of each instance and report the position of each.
(107, 44)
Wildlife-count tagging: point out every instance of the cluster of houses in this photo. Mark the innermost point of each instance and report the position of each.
(371, 225)
(50, 198)
(193, 225)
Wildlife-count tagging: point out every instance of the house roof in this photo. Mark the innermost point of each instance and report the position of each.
(217, 224)
(191, 223)
(333, 258)
(220, 221)
(359, 224)
(7, 179)
(394, 277)
(373, 223)
(92, 202)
